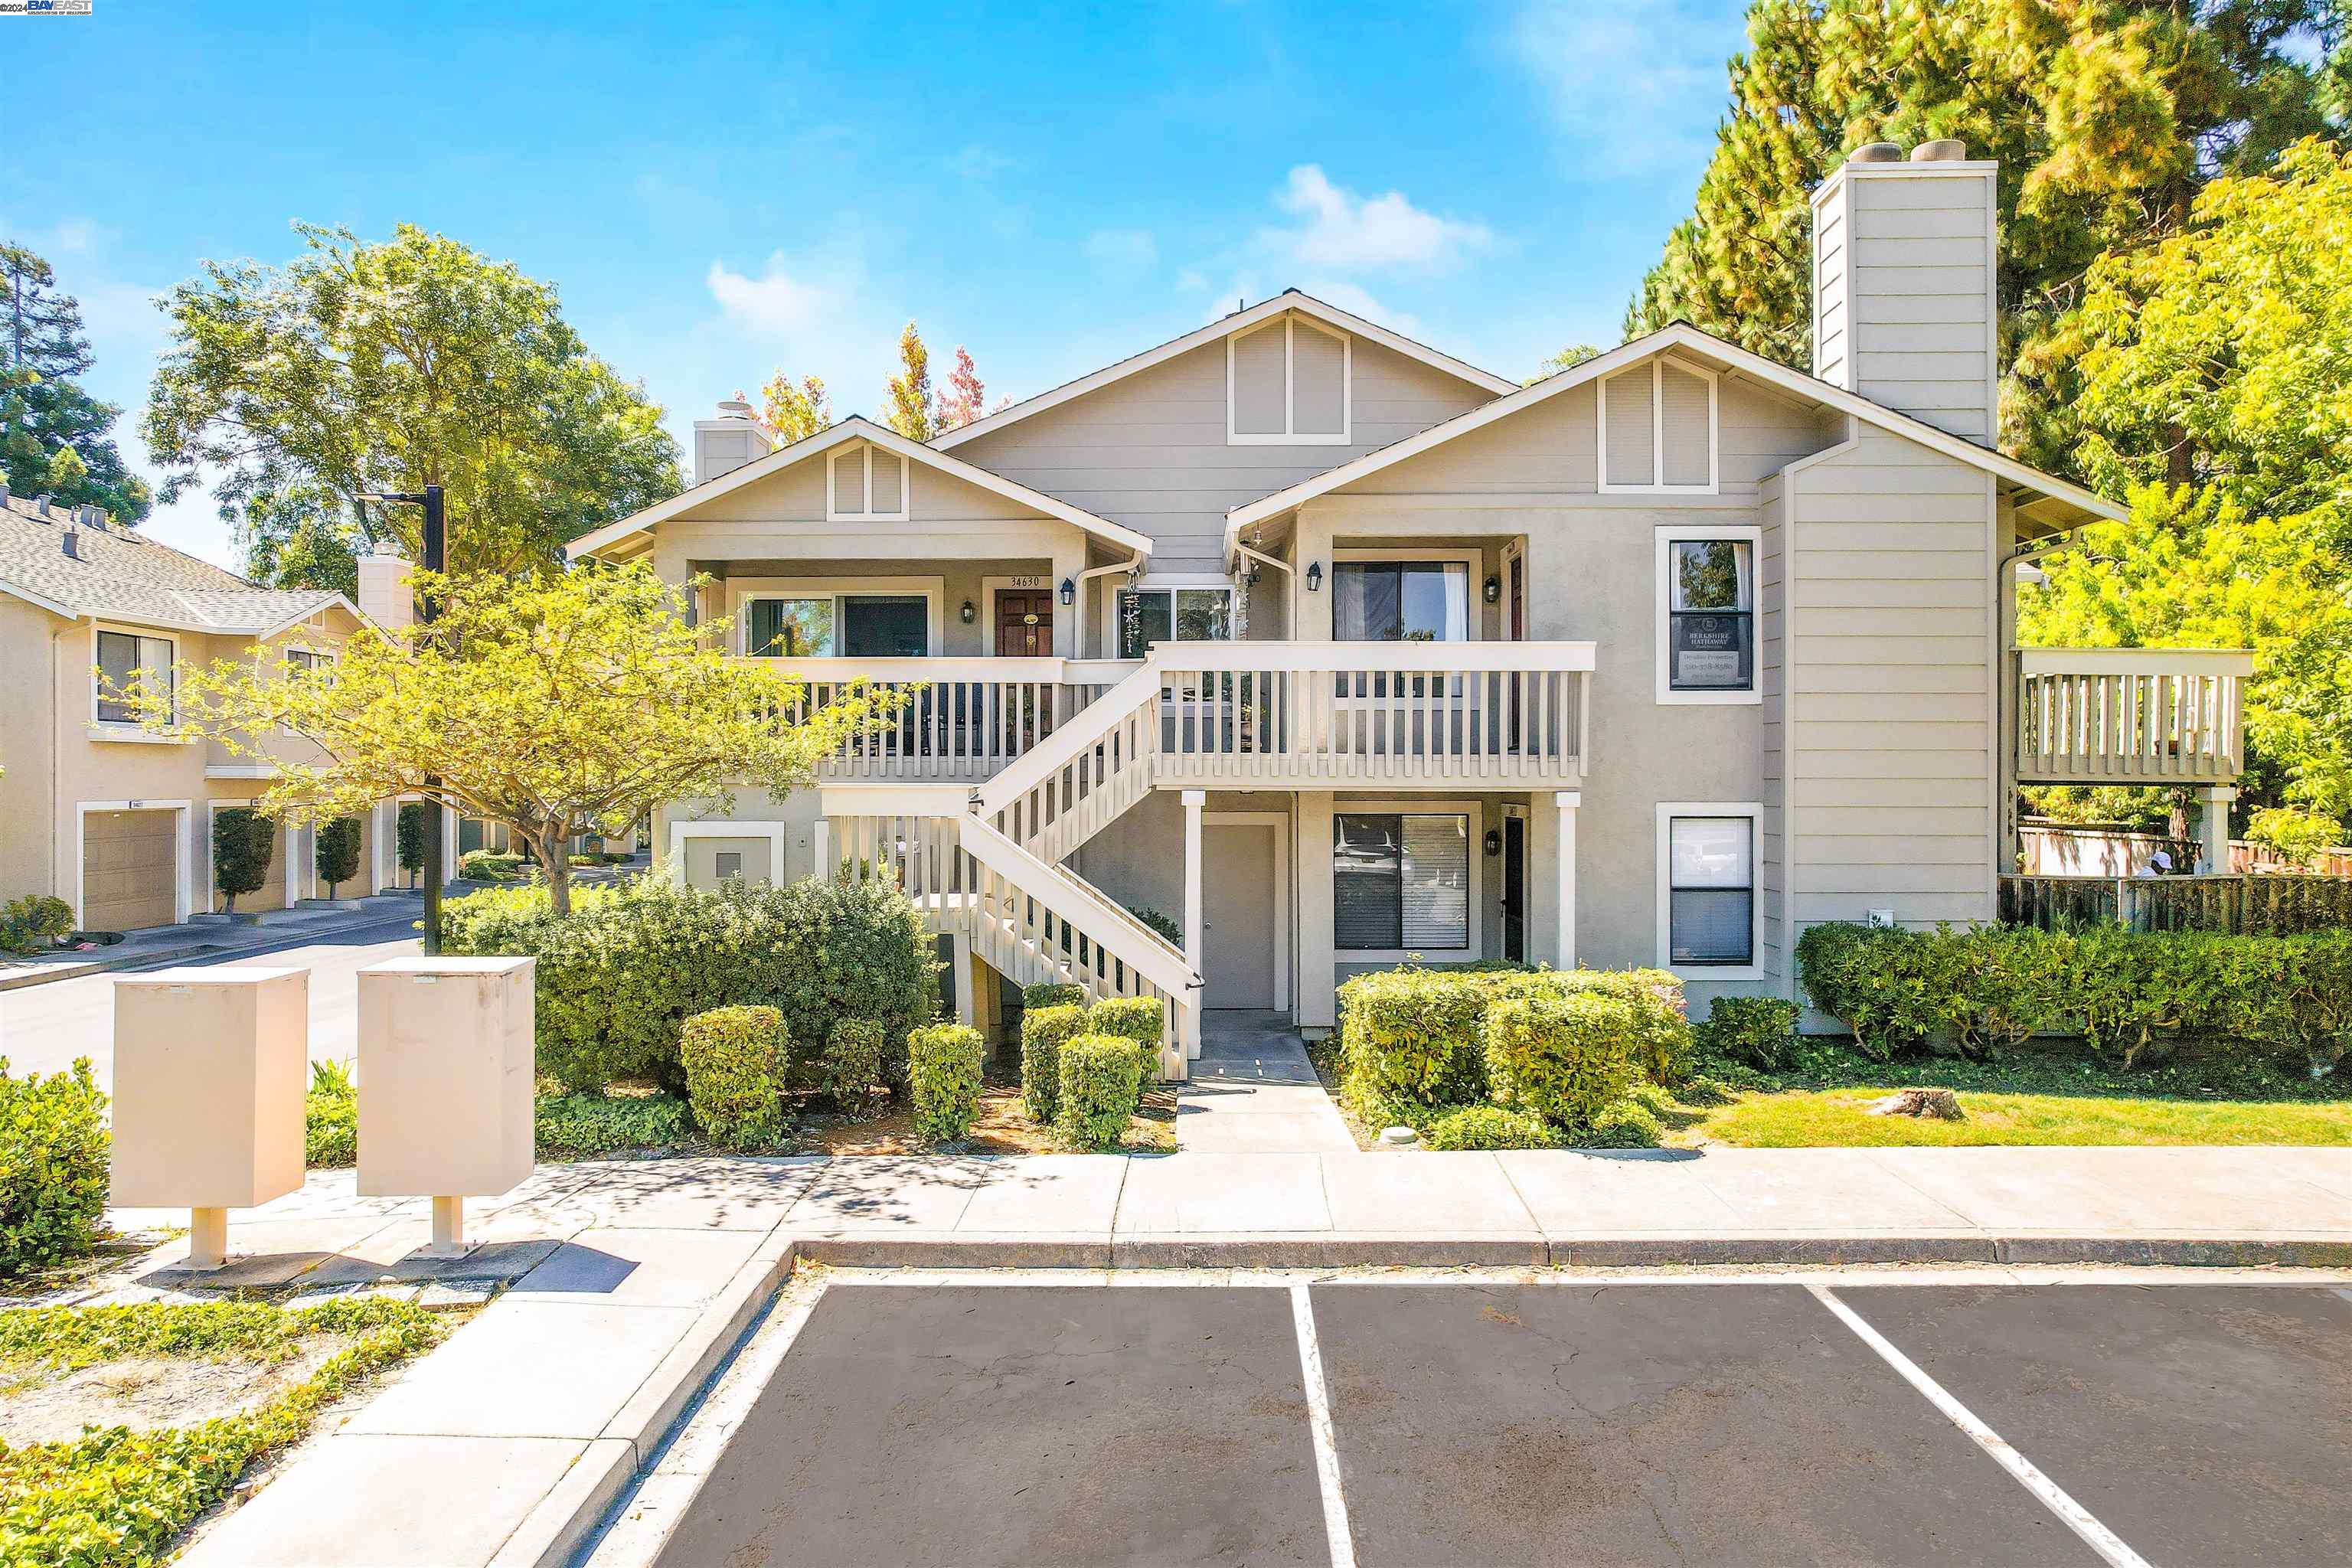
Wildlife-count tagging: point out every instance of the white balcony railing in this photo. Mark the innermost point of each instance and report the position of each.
(1374, 712)
(969, 717)
(2130, 716)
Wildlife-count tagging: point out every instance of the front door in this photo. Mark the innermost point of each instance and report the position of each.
(1515, 889)
(1025, 624)
(1238, 872)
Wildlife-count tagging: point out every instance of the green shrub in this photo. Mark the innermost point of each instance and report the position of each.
(1055, 994)
(943, 1063)
(1143, 1019)
(1101, 1084)
(1626, 1122)
(734, 1059)
(337, 856)
(1756, 1030)
(2006, 985)
(1043, 1032)
(410, 835)
(244, 841)
(34, 924)
(851, 1068)
(620, 975)
(331, 1117)
(1413, 1034)
(590, 1126)
(489, 865)
(1491, 1127)
(1160, 925)
(1881, 983)
(53, 1156)
(1562, 1058)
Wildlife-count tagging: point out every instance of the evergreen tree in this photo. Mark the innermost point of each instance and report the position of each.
(2107, 117)
(54, 434)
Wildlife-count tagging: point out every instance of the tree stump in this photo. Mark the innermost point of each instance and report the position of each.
(1936, 1102)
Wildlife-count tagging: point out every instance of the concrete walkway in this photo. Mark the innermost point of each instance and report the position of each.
(1253, 1092)
(507, 1443)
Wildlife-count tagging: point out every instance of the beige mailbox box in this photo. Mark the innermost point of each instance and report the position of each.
(445, 1080)
(210, 1066)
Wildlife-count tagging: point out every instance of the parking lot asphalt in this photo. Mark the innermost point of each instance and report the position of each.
(1572, 1422)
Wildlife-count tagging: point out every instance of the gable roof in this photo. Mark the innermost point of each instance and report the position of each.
(1240, 320)
(122, 574)
(856, 427)
(1682, 334)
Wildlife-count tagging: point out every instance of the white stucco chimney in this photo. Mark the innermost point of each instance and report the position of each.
(736, 437)
(385, 596)
(1905, 252)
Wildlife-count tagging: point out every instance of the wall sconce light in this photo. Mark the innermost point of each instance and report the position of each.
(1315, 578)
(1494, 841)
(1493, 590)
(1069, 592)
(970, 613)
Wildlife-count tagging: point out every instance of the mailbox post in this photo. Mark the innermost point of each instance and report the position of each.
(210, 1068)
(447, 1074)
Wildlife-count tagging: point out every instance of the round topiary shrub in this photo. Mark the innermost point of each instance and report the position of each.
(1044, 1031)
(338, 855)
(412, 836)
(1143, 1019)
(1563, 1058)
(852, 1067)
(1055, 994)
(1756, 1031)
(943, 1066)
(243, 843)
(734, 1059)
(1491, 1127)
(1101, 1083)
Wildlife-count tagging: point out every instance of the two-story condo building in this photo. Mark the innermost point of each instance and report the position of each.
(96, 810)
(1333, 649)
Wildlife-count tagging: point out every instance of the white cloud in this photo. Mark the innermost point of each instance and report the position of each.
(1634, 87)
(775, 302)
(1128, 249)
(1350, 297)
(1339, 229)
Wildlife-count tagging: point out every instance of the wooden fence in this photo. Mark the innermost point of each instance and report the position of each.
(2271, 905)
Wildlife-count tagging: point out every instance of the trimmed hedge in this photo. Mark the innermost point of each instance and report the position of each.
(1101, 1084)
(337, 854)
(1758, 1031)
(852, 1067)
(53, 1158)
(489, 865)
(1491, 1127)
(1055, 994)
(591, 1126)
(1044, 1032)
(2128, 995)
(943, 1063)
(1143, 1019)
(618, 977)
(1563, 1058)
(1418, 1034)
(735, 1059)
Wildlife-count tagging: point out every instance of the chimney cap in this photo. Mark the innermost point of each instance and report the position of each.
(734, 409)
(1947, 150)
(1876, 152)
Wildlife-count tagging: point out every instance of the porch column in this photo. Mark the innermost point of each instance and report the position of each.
(2214, 828)
(448, 844)
(1194, 799)
(821, 850)
(1311, 993)
(1567, 800)
(380, 832)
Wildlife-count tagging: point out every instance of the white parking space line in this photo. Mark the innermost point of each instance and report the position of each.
(1319, 1421)
(2097, 1536)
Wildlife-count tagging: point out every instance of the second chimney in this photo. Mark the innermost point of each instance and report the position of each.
(1905, 262)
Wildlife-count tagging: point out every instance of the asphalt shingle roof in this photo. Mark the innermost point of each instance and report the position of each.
(124, 575)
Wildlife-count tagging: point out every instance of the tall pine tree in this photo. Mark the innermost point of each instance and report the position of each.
(2107, 117)
(54, 434)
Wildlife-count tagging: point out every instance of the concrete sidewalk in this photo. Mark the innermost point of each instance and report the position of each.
(210, 939)
(507, 1443)
(1253, 1090)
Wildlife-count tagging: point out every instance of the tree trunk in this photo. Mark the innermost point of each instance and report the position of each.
(554, 850)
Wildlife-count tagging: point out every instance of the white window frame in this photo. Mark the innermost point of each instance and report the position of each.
(129, 729)
(727, 827)
(832, 512)
(1752, 810)
(1656, 371)
(1412, 805)
(1167, 582)
(1288, 435)
(1670, 535)
(741, 591)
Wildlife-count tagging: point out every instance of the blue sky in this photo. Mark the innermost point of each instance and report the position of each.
(720, 190)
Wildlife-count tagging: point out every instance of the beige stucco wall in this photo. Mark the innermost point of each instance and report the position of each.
(28, 749)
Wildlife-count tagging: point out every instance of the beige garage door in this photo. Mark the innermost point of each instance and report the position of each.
(130, 869)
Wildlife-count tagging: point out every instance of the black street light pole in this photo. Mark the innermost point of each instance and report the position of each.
(436, 560)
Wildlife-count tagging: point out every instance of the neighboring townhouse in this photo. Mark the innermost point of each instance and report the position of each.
(1334, 649)
(94, 809)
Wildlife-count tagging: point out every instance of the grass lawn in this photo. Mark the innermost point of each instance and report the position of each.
(121, 1426)
(2025, 1097)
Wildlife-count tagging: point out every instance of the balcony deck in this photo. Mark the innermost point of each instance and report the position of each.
(2129, 716)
